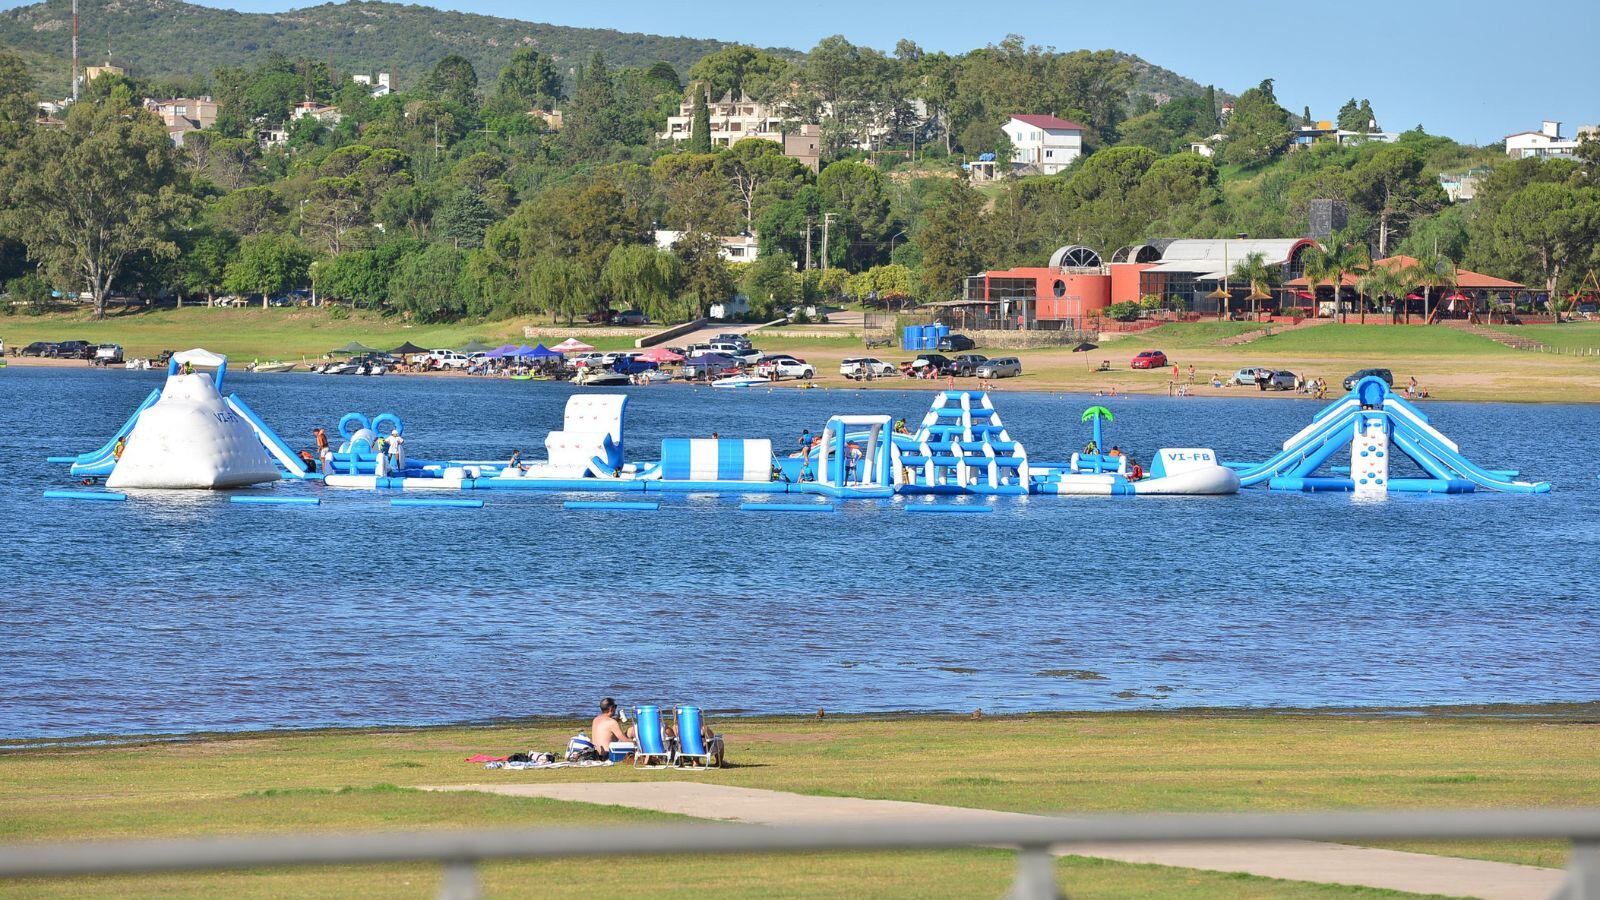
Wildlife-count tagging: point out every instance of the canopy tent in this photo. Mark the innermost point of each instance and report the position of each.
(662, 355)
(408, 349)
(543, 352)
(502, 351)
(572, 345)
(524, 352)
(353, 348)
(475, 346)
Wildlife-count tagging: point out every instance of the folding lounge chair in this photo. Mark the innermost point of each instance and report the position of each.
(692, 747)
(652, 751)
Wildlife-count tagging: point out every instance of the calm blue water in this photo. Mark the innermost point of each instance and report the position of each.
(183, 612)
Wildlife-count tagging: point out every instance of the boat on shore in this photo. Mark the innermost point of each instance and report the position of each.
(739, 381)
(272, 367)
(601, 378)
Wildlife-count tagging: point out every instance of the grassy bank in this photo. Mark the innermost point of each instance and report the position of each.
(1451, 364)
(1044, 763)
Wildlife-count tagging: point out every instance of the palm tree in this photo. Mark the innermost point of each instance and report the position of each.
(1095, 414)
(1254, 271)
(1341, 256)
(1392, 281)
(1433, 271)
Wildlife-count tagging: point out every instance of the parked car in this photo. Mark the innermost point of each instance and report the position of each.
(968, 363)
(1385, 374)
(952, 343)
(859, 367)
(108, 354)
(1000, 367)
(940, 363)
(74, 350)
(281, 302)
(630, 317)
(1150, 359)
(1247, 375)
(1281, 381)
(449, 359)
(731, 337)
(39, 348)
(785, 367)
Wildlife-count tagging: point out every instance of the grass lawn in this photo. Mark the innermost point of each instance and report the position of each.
(1183, 334)
(1571, 336)
(1381, 340)
(1041, 763)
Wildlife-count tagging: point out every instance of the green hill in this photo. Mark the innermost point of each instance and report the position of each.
(174, 38)
(156, 38)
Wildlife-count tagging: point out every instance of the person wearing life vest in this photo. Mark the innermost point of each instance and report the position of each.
(1135, 471)
(121, 445)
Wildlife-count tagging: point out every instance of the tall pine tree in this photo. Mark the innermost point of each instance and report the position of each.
(700, 130)
(595, 121)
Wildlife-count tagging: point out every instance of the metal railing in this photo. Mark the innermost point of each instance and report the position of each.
(461, 852)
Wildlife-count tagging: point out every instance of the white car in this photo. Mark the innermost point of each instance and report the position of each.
(450, 359)
(786, 367)
(859, 367)
(108, 354)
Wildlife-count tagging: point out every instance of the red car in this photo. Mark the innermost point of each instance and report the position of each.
(1150, 359)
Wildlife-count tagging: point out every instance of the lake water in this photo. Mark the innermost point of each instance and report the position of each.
(181, 612)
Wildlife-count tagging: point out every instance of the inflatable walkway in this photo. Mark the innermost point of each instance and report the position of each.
(962, 447)
(1371, 422)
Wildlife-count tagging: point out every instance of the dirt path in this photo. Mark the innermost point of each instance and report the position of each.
(1293, 860)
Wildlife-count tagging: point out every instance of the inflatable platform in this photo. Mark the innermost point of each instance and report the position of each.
(1371, 423)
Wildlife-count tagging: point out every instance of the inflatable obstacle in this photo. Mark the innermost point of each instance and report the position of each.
(1371, 423)
(1179, 471)
(961, 447)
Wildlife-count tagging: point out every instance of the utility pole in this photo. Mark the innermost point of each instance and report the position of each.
(810, 221)
(827, 219)
(74, 50)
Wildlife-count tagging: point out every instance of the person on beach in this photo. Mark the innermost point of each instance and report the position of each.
(606, 729)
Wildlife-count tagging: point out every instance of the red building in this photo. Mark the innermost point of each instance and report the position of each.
(1073, 289)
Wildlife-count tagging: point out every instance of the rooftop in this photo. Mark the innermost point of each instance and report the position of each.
(1049, 123)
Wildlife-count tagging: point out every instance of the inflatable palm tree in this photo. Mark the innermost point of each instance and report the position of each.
(1094, 415)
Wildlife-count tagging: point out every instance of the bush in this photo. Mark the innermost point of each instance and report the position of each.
(338, 311)
(1126, 311)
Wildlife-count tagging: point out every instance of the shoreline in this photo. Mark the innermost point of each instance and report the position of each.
(1200, 390)
(1575, 712)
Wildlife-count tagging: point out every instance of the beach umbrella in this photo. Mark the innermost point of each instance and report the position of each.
(408, 349)
(662, 355)
(352, 348)
(1085, 347)
(475, 346)
(572, 345)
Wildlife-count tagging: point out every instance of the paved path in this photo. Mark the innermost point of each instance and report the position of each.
(1293, 860)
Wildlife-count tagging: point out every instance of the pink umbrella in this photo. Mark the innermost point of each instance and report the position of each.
(662, 355)
(572, 345)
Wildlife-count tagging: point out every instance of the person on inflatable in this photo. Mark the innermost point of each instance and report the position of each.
(397, 453)
(1135, 471)
(116, 451)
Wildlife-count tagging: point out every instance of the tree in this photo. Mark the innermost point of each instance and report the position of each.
(1349, 118)
(463, 219)
(1259, 128)
(1391, 184)
(17, 109)
(706, 276)
(757, 170)
(700, 125)
(1392, 281)
(1254, 271)
(1432, 270)
(203, 266)
(529, 81)
(87, 197)
(453, 80)
(738, 70)
(248, 212)
(424, 284)
(953, 240)
(333, 208)
(770, 282)
(358, 277)
(1340, 256)
(269, 264)
(859, 198)
(593, 124)
(560, 286)
(1553, 227)
(644, 278)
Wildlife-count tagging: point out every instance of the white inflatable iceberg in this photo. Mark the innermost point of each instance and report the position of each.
(191, 437)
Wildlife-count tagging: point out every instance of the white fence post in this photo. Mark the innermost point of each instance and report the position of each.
(460, 881)
(1036, 874)
(1583, 872)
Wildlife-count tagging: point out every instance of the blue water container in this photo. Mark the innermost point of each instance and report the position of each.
(942, 332)
(911, 339)
(930, 337)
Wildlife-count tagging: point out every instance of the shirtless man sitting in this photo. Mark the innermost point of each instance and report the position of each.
(605, 730)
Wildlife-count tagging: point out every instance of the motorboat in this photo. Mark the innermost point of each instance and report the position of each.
(142, 364)
(271, 367)
(739, 381)
(592, 377)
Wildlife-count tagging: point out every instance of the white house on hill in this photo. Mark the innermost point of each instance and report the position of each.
(1547, 141)
(1044, 143)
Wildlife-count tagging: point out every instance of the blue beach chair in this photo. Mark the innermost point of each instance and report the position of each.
(692, 746)
(652, 752)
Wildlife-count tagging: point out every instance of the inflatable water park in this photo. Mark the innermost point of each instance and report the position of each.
(188, 434)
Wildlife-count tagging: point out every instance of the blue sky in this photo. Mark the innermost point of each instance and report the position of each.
(1472, 69)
